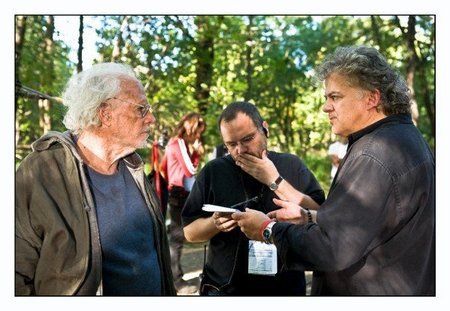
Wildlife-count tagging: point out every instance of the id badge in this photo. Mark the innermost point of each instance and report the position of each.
(262, 258)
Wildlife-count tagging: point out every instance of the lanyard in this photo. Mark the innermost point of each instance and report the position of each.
(248, 198)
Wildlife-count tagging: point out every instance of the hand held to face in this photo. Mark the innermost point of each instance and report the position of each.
(197, 145)
(262, 169)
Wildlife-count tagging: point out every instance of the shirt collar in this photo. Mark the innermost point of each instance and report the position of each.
(402, 118)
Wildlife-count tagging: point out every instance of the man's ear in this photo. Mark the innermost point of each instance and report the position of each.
(265, 127)
(104, 115)
(373, 99)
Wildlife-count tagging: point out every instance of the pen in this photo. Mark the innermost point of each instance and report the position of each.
(254, 199)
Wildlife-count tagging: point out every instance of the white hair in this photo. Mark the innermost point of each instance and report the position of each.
(86, 91)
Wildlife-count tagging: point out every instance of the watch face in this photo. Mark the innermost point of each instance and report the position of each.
(273, 186)
(266, 234)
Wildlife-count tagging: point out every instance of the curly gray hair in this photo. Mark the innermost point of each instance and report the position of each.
(86, 91)
(366, 68)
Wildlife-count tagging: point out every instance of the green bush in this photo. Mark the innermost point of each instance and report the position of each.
(320, 166)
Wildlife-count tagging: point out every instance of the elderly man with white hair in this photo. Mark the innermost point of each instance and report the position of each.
(87, 219)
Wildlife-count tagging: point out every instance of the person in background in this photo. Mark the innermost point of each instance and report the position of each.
(232, 262)
(181, 159)
(87, 219)
(375, 233)
(337, 151)
(219, 150)
(155, 176)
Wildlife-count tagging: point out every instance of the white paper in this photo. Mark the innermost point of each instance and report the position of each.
(262, 258)
(218, 208)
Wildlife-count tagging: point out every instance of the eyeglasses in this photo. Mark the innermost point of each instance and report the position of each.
(243, 142)
(143, 109)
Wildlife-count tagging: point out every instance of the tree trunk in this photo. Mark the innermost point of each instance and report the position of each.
(20, 37)
(411, 66)
(80, 45)
(44, 116)
(428, 101)
(204, 54)
(376, 32)
(411, 62)
(119, 43)
(249, 43)
(45, 120)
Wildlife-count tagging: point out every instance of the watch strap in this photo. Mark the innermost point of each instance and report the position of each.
(310, 219)
(263, 226)
(278, 180)
(274, 185)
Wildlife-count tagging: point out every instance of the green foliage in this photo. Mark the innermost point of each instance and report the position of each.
(44, 67)
(320, 166)
(267, 60)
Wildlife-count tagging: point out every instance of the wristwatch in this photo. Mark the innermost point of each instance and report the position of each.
(274, 185)
(267, 233)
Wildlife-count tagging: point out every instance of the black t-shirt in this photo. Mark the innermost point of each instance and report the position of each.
(222, 182)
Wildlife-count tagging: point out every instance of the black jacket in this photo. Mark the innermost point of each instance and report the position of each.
(375, 233)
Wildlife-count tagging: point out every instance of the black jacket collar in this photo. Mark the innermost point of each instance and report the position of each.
(404, 118)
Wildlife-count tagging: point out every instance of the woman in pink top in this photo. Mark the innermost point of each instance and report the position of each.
(179, 165)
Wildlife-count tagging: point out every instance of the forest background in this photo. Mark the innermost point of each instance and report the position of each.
(204, 62)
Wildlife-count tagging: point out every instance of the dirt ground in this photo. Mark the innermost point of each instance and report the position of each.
(192, 263)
